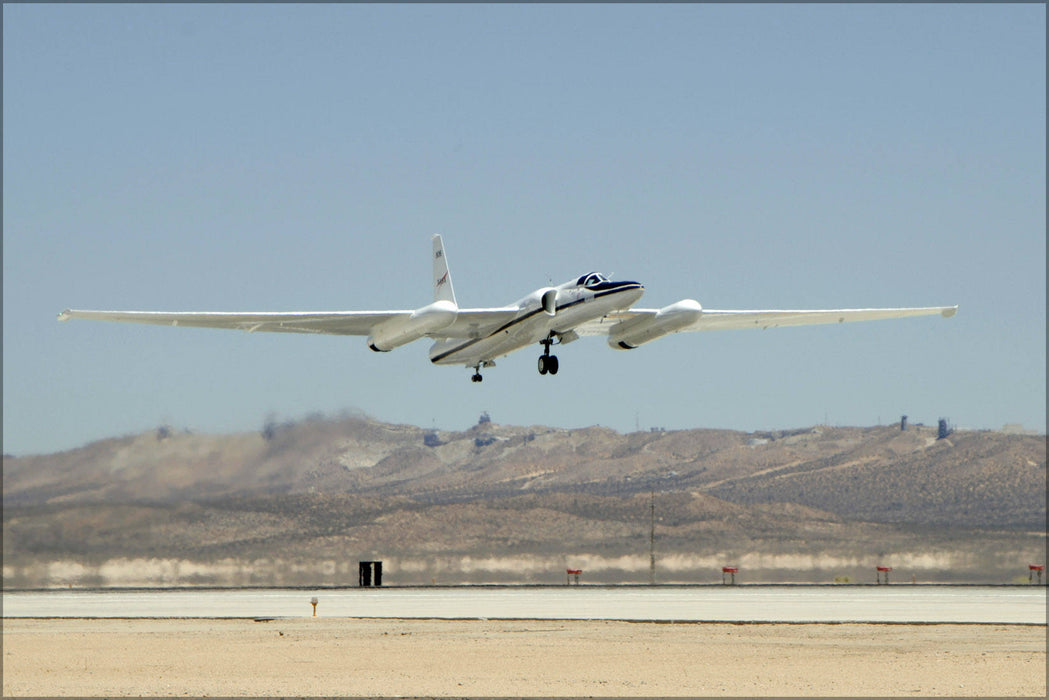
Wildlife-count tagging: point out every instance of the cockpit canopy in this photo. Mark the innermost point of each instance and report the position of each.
(591, 279)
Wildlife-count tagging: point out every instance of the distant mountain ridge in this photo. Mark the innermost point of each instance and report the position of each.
(328, 487)
(880, 474)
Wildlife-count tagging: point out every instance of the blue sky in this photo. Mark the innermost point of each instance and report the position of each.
(298, 157)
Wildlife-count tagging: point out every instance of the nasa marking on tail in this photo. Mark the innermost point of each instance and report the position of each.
(591, 304)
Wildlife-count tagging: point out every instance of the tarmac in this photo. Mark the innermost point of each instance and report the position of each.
(903, 604)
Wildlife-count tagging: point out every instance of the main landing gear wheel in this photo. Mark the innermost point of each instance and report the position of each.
(547, 362)
(476, 378)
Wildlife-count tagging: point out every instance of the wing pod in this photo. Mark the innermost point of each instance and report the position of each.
(398, 331)
(645, 328)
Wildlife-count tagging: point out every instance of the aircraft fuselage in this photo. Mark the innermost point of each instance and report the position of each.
(572, 306)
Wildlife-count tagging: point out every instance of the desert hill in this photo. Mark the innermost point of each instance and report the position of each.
(317, 495)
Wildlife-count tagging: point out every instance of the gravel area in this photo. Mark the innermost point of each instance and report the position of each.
(342, 656)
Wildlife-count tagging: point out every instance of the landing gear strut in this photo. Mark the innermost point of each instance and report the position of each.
(547, 362)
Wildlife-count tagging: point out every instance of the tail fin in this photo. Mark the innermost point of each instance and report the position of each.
(442, 277)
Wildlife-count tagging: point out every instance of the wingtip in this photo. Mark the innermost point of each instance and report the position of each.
(950, 311)
(65, 315)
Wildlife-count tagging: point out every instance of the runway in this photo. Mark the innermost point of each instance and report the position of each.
(750, 604)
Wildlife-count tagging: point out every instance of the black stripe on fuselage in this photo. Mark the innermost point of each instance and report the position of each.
(613, 286)
(605, 288)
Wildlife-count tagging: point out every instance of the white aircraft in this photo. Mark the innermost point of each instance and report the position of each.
(589, 305)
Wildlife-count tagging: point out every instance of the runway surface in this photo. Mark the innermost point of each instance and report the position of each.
(791, 604)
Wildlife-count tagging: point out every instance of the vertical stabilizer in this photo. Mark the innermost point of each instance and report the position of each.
(442, 277)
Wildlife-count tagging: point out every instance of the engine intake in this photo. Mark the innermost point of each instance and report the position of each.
(549, 301)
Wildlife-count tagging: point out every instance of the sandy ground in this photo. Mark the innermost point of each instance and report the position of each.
(339, 656)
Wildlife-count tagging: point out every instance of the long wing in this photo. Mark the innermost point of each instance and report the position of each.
(712, 320)
(715, 319)
(469, 322)
(327, 322)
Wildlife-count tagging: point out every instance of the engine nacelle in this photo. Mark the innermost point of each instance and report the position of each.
(643, 329)
(400, 331)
